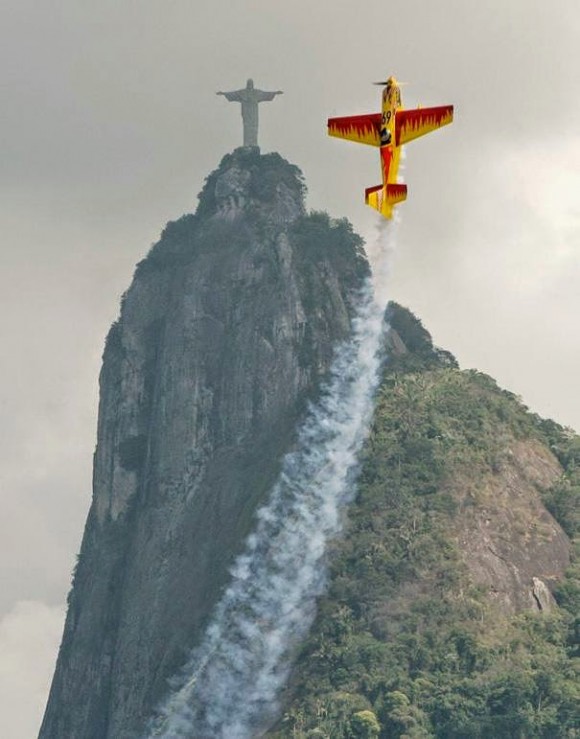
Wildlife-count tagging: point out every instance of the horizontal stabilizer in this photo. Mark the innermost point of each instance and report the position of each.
(396, 193)
(383, 198)
(371, 190)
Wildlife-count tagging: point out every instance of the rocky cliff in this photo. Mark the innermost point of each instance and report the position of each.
(225, 333)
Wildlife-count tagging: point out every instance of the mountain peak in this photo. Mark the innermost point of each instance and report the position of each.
(247, 181)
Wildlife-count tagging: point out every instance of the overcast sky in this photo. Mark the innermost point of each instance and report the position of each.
(110, 123)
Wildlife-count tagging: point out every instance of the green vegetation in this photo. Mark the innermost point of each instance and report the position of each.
(182, 239)
(404, 645)
(267, 172)
(320, 241)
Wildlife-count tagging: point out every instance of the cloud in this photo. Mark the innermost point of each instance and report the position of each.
(497, 283)
(29, 639)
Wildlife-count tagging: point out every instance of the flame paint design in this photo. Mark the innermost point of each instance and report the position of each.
(396, 193)
(382, 198)
(410, 124)
(364, 129)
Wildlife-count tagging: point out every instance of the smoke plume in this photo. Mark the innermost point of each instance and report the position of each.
(230, 685)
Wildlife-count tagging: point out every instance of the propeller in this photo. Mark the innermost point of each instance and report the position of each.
(386, 82)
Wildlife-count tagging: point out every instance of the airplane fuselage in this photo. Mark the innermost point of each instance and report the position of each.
(390, 152)
(391, 103)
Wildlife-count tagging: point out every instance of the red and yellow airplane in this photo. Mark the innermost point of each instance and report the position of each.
(389, 130)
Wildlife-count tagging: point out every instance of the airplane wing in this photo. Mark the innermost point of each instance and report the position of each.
(364, 129)
(410, 124)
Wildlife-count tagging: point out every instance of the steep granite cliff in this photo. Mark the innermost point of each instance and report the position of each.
(225, 333)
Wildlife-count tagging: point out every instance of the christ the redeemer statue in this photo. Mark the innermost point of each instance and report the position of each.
(249, 97)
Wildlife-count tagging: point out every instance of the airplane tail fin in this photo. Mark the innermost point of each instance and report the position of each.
(383, 198)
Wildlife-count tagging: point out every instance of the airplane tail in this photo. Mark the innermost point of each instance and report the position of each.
(383, 198)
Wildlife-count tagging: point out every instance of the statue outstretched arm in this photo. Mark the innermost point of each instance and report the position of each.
(234, 96)
(264, 97)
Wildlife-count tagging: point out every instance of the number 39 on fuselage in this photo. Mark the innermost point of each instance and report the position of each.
(389, 130)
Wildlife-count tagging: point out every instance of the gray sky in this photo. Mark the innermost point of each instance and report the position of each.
(109, 126)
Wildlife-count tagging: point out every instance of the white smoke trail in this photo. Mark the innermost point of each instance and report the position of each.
(230, 685)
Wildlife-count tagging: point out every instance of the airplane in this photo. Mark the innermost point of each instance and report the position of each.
(389, 130)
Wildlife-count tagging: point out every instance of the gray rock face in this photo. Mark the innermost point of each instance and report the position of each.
(226, 331)
(511, 545)
(542, 595)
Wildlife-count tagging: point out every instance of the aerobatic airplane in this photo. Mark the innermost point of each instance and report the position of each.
(389, 130)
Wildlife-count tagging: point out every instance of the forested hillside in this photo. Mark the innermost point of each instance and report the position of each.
(421, 634)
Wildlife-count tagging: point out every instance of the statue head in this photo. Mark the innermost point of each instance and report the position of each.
(250, 84)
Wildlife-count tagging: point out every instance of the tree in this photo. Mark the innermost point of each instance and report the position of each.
(365, 725)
